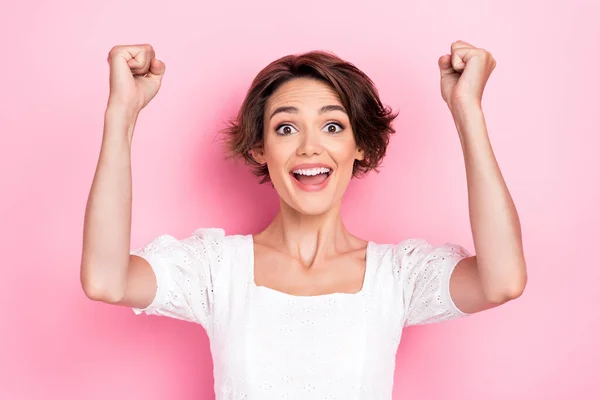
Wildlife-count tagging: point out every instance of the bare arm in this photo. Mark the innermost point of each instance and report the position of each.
(108, 272)
(497, 273)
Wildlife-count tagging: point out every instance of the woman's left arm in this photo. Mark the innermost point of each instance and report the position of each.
(497, 273)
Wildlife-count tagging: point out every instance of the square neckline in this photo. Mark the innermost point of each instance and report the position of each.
(364, 288)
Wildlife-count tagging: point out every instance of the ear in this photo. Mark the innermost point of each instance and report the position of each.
(360, 154)
(258, 155)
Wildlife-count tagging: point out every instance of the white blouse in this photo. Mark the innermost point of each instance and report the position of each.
(267, 344)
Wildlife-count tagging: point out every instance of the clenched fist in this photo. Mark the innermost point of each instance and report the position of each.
(464, 74)
(135, 76)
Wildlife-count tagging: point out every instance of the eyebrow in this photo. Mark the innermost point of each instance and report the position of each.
(294, 110)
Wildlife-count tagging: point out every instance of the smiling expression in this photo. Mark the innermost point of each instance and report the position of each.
(309, 146)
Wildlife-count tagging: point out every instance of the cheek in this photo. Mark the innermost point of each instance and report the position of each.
(278, 152)
(343, 152)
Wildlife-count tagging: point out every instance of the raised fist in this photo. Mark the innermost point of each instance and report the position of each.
(135, 76)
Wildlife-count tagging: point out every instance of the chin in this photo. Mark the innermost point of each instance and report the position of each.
(312, 207)
(311, 202)
(309, 198)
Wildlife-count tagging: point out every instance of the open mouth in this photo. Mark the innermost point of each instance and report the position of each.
(311, 179)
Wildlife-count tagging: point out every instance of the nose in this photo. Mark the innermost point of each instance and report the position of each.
(310, 143)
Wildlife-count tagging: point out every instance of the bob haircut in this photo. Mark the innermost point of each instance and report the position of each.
(371, 121)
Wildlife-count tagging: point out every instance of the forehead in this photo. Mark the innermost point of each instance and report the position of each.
(303, 92)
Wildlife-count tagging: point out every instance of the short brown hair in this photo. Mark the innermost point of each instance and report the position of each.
(371, 121)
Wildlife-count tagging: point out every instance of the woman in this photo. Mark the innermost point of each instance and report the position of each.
(303, 309)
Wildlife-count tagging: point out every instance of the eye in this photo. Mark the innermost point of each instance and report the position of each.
(285, 129)
(333, 127)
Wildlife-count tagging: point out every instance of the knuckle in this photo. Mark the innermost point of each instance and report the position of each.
(114, 50)
(482, 53)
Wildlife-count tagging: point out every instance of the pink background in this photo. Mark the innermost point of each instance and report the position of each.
(539, 104)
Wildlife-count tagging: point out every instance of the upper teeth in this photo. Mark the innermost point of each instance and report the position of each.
(311, 171)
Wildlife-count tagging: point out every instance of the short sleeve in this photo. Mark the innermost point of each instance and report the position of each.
(185, 272)
(422, 272)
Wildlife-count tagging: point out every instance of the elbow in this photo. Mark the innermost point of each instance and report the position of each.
(96, 291)
(510, 292)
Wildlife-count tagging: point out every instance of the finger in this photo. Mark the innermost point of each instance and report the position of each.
(445, 64)
(457, 61)
(157, 69)
(460, 44)
(141, 56)
(151, 56)
(461, 56)
(138, 63)
(458, 49)
(119, 70)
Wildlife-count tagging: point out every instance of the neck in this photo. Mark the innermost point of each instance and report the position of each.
(309, 238)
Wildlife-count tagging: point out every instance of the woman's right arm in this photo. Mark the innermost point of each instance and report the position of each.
(108, 272)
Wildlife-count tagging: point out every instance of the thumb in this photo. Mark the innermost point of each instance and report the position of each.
(445, 64)
(157, 70)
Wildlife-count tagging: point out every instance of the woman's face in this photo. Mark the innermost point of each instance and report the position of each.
(309, 145)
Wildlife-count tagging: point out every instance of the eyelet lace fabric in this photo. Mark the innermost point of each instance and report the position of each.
(268, 344)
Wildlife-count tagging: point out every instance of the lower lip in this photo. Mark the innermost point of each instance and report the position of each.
(311, 188)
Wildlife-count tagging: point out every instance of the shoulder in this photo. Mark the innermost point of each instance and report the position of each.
(399, 250)
(417, 248)
(219, 242)
(199, 244)
(215, 235)
(417, 253)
